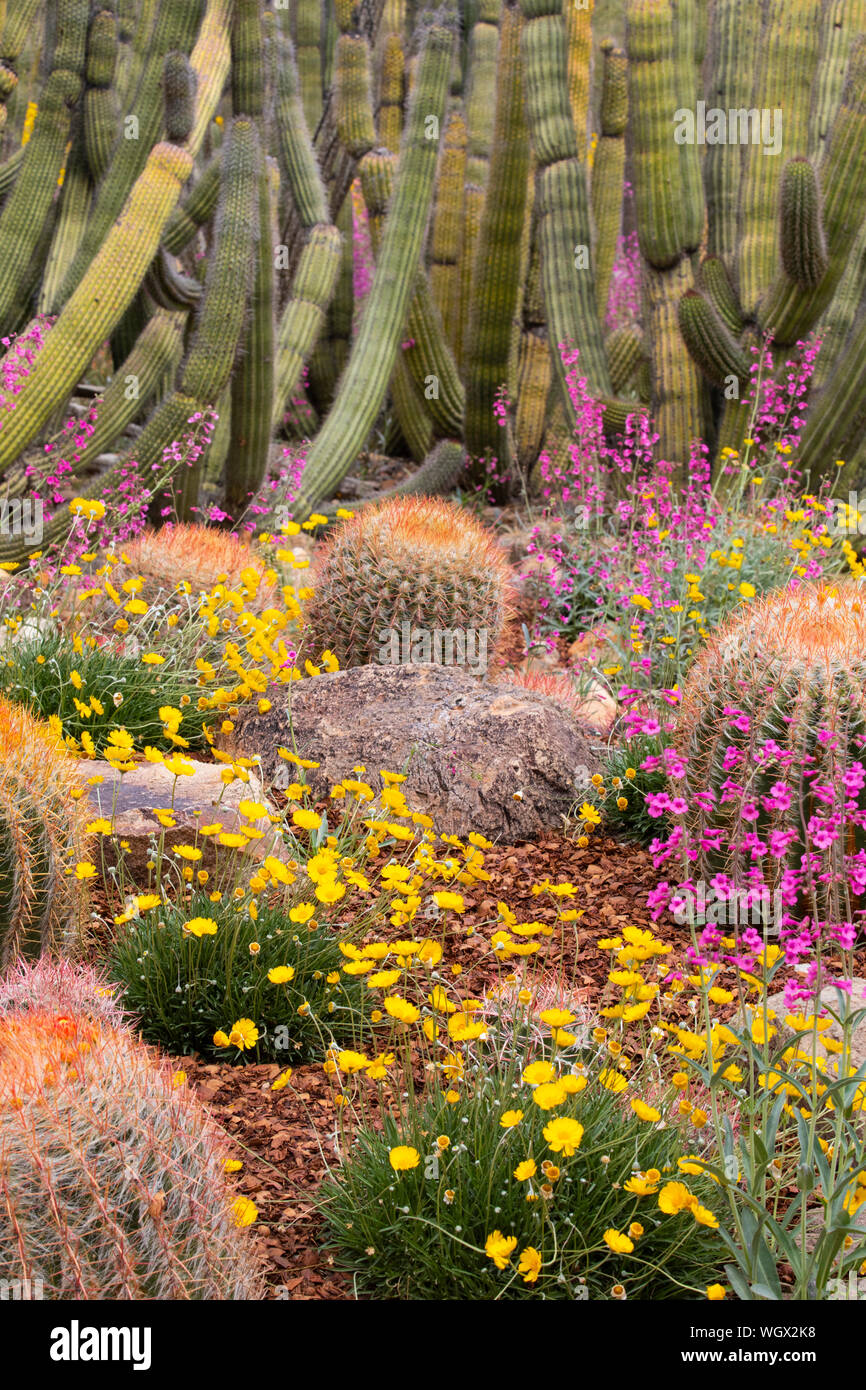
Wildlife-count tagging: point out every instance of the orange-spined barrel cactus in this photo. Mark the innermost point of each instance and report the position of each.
(42, 838)
(773, 733)
(412, 579)
(111, 1177)
(200, 556)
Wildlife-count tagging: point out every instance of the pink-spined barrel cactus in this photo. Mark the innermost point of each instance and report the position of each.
(111, 1173)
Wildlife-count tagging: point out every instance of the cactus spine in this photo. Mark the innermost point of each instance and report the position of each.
(42, 837)
(112, 1175)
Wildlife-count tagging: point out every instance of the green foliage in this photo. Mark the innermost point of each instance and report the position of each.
(41, 676)
(421, 1234)
(186, 988)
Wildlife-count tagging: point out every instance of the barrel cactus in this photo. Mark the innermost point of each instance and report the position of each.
(111, 1176)
(398, 574)
(42, 838)
(198, 556)
(772, 734)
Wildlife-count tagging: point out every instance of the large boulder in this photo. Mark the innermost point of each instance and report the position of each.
(493, 758)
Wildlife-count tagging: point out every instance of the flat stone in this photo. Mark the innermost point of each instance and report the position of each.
(129, 800)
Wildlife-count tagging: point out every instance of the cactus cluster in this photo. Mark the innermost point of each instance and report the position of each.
(185, 191)
(42, 838)
(111, 1175)
(772, 720)
(403, 565)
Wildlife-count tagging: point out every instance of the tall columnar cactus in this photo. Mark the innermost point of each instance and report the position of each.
(666, 222)
(481, 89)
(297, 158)
(787, 57)
(111, 1175)
(354, 96)
(734, 30)
(755, 706)
(562, 199)
(497, 275)
(841, 22)
(206, 371)
(578, 35)
(787, 310)
(175, 30)
(608, 169)
(29, 204)
(417, 561)
(101, 112)
(304, 317)
(446, 236)
(391, 92)
(308, 48)
(252, 382)
(366, 377)
(42, 838)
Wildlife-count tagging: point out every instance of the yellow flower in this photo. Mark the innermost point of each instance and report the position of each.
(302, 913)
(613, 1081)
(152, 658)
(538, 1072)
(564, 1135)
(641, 1186)
(281, 974)
(232, 1165)
(645, 1112)
(330, 891)
(529, 1264)
(510, 1118)
(401, 1009)
(557, 1018)
(282, 1080)
(549, 1095)
(244, 1034)
(450, 902)
(403, 1157)
(200, 926)
(675, 1197)
(220, 1039)
(617, 1242)
(715, 1292)
(525, 1170)
(350, 1062)
(306, 820)
(705, 1217)
(85, 870)
(244, 1211)
(499, 1247)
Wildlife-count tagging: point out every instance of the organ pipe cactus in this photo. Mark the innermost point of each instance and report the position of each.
(736, 247)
